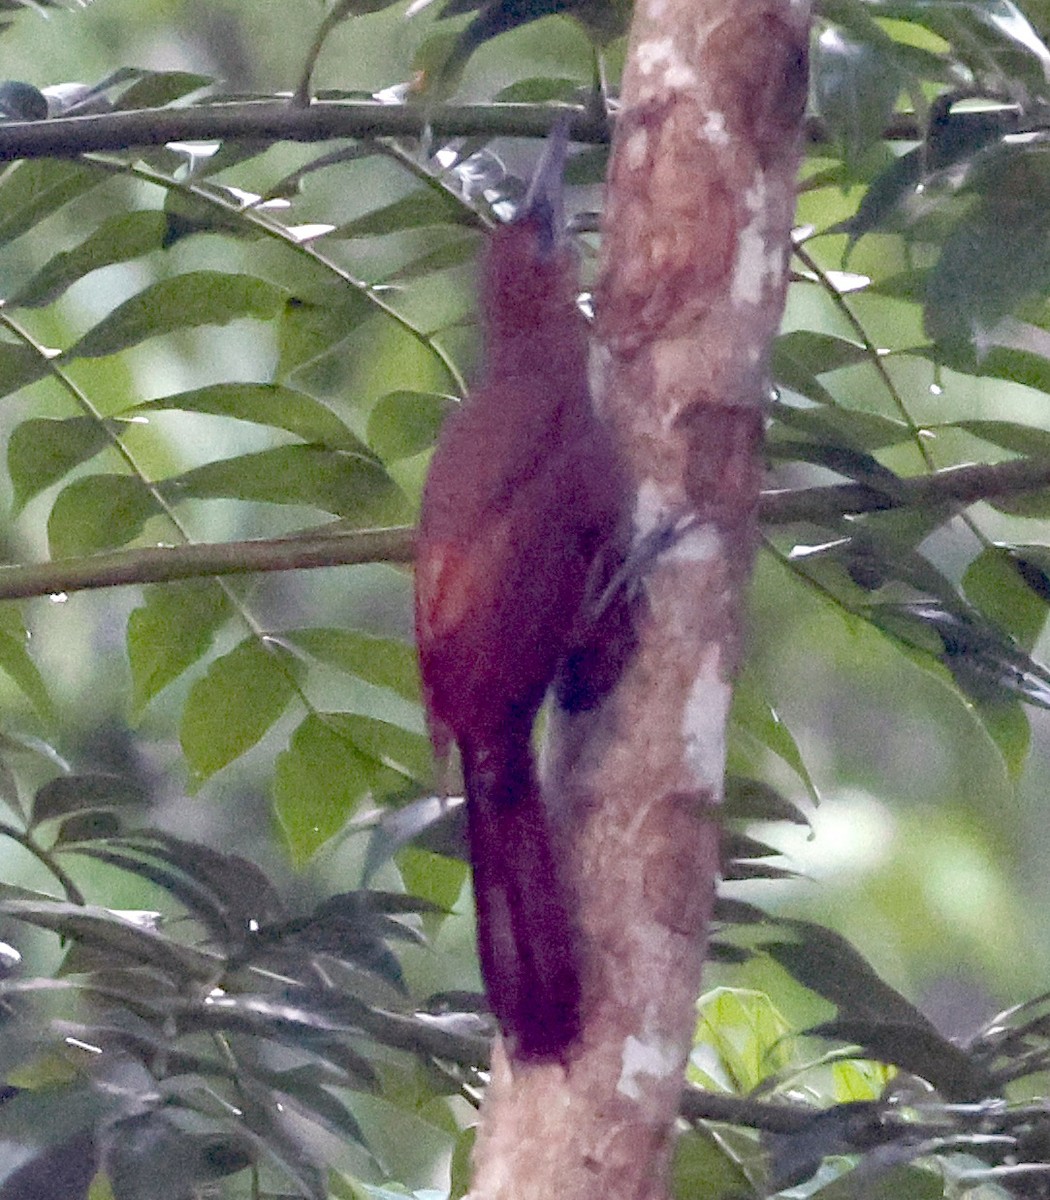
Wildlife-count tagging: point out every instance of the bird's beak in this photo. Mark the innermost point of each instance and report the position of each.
(544, 202)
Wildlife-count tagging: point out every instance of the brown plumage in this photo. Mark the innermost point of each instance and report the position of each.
(522, 512)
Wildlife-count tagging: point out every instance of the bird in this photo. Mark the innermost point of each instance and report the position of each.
(522, 525)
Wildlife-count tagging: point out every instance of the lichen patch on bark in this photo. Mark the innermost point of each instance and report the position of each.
(704, 720)
(655, 1058)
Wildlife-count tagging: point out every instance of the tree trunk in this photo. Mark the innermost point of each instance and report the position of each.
(695, 252)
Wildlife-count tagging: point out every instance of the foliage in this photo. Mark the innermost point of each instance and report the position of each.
(252, 339)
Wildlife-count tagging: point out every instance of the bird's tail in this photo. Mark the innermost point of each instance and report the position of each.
(527, 940)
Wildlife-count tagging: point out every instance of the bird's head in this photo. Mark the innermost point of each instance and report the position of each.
(529, 266)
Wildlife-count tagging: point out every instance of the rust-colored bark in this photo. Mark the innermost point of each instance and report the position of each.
(694, 268)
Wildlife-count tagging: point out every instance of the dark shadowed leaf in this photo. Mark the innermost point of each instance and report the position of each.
(80, 793)
(753, 800)
(728, 911)
(919, 1049)
(127, 942)
(243, 890)
(856, 87)
(817, 352)
(825, 962)
(88, 827)
(154, 89)
(985, 662)
(170, 1144)
(19, 367)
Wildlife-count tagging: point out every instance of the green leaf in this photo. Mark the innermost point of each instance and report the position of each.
(381, 661)
(170, 632)
(33, 189)
(98, 513)
(539, 90)
(818, 352)
(1025, 440)
(1007, 724)
(748, 1036)
(841, 426)
(405, 423)
(40, 452)
(897, 1183)
(319, 782)
(395, 749)
(19, 367)
(752, 714)
(453, 253)
(156, 88)
(433, 877)
(349, 485)
(119, 239)
(333, 762)
(702, 1169)
(16, 662)
(184, 302)
(310, 328)
(264, 404)
(428, 206)
(227, 711)
(994, 585)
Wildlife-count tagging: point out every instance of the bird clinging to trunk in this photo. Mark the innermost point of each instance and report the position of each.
(520, 529)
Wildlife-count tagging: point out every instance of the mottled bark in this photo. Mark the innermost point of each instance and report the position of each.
(694, 268)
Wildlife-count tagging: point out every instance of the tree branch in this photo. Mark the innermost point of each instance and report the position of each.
(163, 564)
(281, 120)
(331, 548)
(953, 485)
